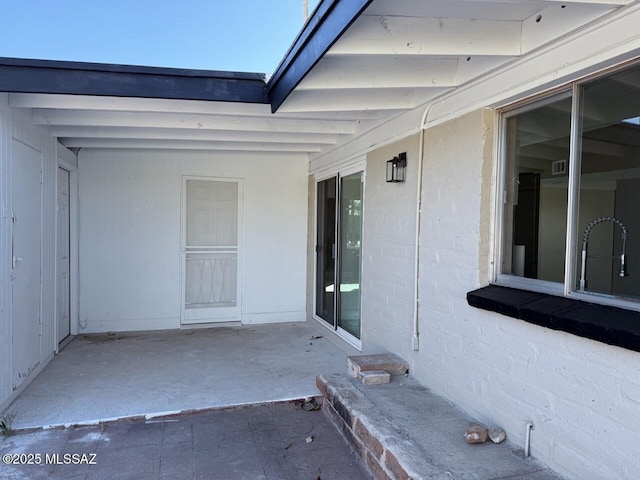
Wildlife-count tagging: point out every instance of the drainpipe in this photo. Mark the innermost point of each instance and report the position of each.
(416, 272)
(416, 289)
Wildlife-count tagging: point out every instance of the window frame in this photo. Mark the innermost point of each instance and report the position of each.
(568, 288)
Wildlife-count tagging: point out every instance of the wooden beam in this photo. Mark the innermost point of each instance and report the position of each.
(161, 105)
(188, 121)
(350, 99)
(375, 35)
(196, 135)
(135, 104)
(330, 20)
(559, 19)
(618, 3)
(188, 145)
(354, 71)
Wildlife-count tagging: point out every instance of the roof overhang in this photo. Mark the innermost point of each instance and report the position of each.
(325, 26)
(354, 66)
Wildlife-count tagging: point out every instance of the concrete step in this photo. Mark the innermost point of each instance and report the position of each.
(392, 364)
(402, 430)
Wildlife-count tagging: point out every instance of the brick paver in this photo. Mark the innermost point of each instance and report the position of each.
(262, 442)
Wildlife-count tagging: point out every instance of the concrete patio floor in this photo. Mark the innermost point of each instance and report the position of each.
(101, 377)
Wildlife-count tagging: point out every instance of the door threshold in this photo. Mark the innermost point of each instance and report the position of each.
(340, 334)
(195, 326)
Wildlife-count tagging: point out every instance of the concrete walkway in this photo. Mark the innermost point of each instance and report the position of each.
(109, 376)
(258, 443)
(402, 430)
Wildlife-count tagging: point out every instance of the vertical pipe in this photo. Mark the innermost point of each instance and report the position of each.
(527, 440)
(416, 271)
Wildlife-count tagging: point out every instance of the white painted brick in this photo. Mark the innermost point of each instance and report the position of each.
(581, 465)
(583, 396)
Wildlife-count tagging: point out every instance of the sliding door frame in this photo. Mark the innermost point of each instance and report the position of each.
(338, 175)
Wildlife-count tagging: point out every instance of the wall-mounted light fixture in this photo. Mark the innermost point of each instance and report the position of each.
(396, 168)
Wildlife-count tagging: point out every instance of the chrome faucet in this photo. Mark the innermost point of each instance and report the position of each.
(585, 241)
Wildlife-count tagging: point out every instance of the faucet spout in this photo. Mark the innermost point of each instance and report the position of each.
(623, 267)
(585, 243)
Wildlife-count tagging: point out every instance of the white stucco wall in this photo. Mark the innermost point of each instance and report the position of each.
(16, 126)
(582, 396)
(130, 209)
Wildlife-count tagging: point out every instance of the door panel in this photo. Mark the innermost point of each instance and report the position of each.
(339, 217)
(63, 300)
(326, 248)
(211, 251)
(26, 164)
(349, 259)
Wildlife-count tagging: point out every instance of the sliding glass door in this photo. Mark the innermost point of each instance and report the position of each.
(338, 253)
(326, 250)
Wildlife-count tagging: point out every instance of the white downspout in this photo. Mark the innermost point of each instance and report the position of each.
(416, 272)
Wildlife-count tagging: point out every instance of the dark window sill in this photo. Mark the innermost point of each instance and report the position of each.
(610, 325)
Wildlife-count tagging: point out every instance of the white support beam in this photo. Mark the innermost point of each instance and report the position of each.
(613, 3)
(160, 105)
(470, 67)
(355, 71)
(478, 9)
(198, 135)
(617, 39)
(349, 99)
(188, 121)
(373, 35)
(559, 19)
(188, 145)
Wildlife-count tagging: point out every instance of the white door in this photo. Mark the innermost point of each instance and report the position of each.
(26, 240)
(210, 250)
(63, 258)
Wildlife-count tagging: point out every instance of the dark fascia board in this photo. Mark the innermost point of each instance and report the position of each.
(328, 22)
(76, 78)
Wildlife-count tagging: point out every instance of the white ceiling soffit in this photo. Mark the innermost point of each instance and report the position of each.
(400, 54)
(112, 122)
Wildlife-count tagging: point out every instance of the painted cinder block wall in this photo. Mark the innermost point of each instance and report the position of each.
(582, 396)
(130, 235)
(16, 126)
(388, 259)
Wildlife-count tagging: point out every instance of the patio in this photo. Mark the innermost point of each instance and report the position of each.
(102, 377)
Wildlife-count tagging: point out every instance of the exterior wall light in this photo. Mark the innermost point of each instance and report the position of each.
(396, 168)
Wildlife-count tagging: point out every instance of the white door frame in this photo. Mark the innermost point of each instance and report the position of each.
(338, 174)
(183, 239)
(73, 243)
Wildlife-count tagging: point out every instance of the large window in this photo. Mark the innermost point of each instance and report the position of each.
(571, 190)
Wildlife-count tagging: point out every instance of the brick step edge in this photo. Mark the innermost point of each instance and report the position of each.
(374, 377)
(371, 435)
(393, 364)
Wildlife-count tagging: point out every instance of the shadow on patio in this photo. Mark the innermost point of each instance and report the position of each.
(100, 377)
